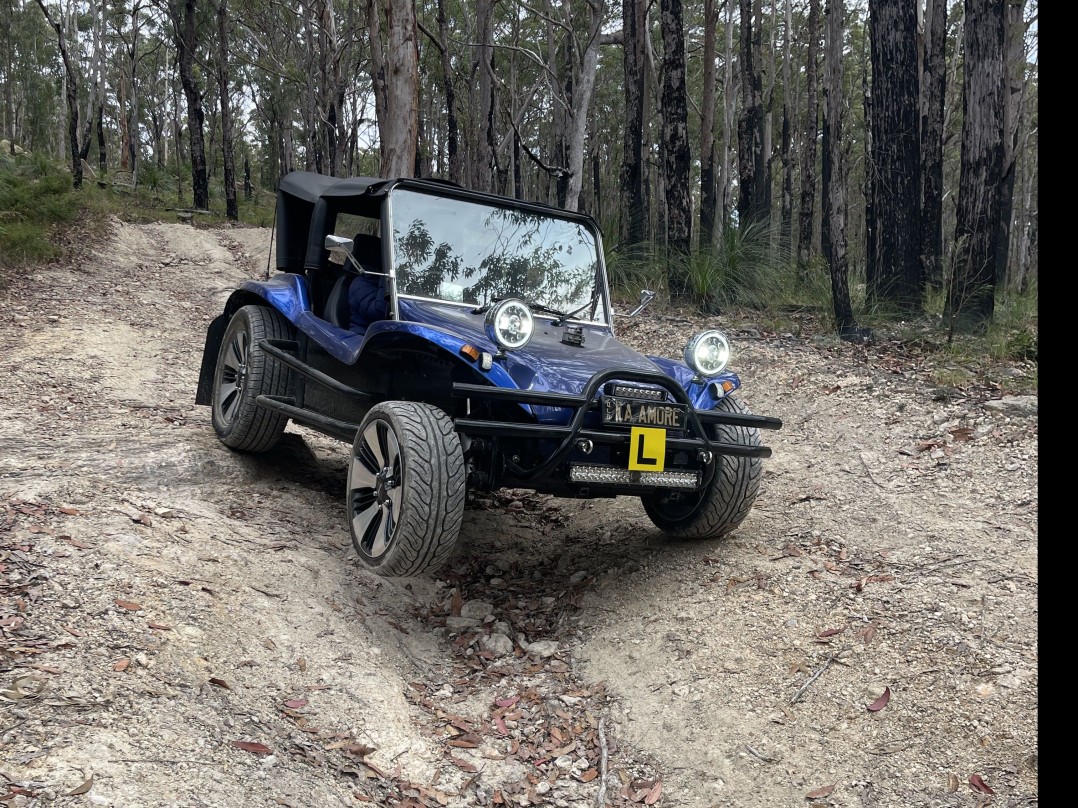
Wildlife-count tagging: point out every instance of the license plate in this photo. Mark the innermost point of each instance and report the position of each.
(630, 412)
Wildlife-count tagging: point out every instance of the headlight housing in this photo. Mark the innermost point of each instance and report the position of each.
(708, 352)
(509, 323)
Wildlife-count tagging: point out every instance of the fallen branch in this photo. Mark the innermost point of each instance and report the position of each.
(600, 799)
(812, 679)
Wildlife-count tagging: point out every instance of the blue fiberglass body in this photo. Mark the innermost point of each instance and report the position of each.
(545, 364)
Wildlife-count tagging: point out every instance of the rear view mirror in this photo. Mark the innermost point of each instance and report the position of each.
(646, 296)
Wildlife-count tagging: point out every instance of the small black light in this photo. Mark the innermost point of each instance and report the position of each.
(573, 335)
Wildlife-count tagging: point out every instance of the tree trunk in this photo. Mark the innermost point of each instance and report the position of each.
(183, 20)
(971, 301)
(675, 137)
(9, 65)
(1014, 93)
(933, 88)
(895, 157)
(707, 131)
(232, 211)
(834, 173)
(751, 207)
(102, 157)
(726, 171)
(809, 131)
(786, 203)
(451, 126)
(582, 91)
(130, 154)
(483, 164)
(634, 220)
(395, 70)
(71, 94)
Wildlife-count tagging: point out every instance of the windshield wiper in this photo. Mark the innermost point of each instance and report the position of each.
(559, 315)
(562, 316)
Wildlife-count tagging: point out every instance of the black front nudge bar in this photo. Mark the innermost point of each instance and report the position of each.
(570, 433)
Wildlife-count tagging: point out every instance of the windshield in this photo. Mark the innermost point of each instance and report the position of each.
(467, 252)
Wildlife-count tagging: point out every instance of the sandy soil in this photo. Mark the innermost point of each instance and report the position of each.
(181, 625)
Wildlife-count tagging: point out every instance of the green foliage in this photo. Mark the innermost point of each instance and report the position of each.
(744, 269)
(633, 268)
(35, 199)
(1012, 336)
(159, 182)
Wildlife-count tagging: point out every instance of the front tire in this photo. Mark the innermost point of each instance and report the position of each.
(721, 507)
(244, 372)
(406, 485)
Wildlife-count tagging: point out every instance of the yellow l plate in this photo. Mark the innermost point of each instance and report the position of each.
(647, 449)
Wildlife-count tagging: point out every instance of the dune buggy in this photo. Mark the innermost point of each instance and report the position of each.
(464, 341)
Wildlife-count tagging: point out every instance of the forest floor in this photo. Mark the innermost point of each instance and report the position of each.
(181, 625)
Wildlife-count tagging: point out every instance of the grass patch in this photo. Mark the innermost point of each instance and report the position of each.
(35, 200)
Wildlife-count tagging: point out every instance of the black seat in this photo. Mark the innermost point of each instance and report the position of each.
(338, 310)
(368, 251)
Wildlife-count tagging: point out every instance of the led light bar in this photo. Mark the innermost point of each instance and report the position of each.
(610, 475)
(648, 393)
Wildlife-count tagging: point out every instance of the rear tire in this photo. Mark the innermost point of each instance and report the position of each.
(244, 372)
(720, 508)
(406, 486)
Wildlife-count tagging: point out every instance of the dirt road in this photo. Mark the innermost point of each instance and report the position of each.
(181, 625)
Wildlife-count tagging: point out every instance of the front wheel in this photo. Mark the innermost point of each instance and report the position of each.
(406, 485)
(244, 372)
(721, 507)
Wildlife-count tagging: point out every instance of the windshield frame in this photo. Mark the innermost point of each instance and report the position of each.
(599, 290)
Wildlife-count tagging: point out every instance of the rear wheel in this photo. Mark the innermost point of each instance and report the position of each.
(406, 484)
(244, 372)
(721, 507)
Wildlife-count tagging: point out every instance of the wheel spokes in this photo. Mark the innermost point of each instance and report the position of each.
(374, 493)
(233, 367)
(366, 518)
(236, 357)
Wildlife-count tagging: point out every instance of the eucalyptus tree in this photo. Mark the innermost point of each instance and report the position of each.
(395, 76)
(452, 163)
(633, 175)
(933, 96)
(225, 99)
(971, 299)
(79, 122)
(754, 181)
(786, 199)
(810, 128)
(1016, 95)
(675, 137)
(893, 267)
(708, 180)
(28, 76)
(835, 205)
(184, 19)
(268, 56)
(133, 30)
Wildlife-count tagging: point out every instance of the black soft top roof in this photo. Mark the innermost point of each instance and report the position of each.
(308, 203)
(310, 187)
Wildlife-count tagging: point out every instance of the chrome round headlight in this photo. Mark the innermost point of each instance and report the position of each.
(708, 352)
(509, 323)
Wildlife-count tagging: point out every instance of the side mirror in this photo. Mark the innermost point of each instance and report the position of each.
(646, 296)
(340, 248)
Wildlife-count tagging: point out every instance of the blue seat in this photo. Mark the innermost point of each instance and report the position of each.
(367, 299)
